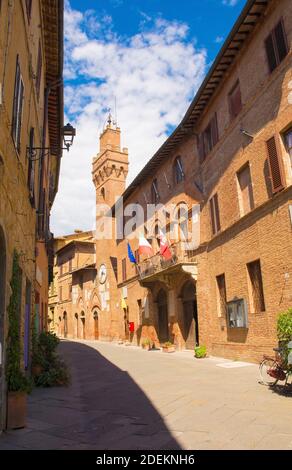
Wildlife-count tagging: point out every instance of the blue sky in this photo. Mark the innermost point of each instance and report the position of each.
(151, 57)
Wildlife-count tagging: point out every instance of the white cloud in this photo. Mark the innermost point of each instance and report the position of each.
(153, 75)
(219, 39)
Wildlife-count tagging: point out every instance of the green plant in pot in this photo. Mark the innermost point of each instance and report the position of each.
(168, 347)
(200, 352)
(146, 343)
(18, 385)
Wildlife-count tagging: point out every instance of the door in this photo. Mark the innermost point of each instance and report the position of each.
(190, 316)
(2, 320)
(163, 332)
(96, 330)
(65, 324)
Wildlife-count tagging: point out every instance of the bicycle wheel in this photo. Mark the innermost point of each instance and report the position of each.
(265, 366)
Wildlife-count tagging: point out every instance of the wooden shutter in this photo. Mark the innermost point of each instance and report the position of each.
(124, 269)
(214, 130)
(280, 40)
(212, 212)
(19, 113)
(274, 166)
(217, 215)
(31, 169)
(235, 104)
(15, 100)
(201, 148)
(270, 50)
(39, 69)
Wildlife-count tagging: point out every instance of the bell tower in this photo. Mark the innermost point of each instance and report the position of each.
(110, 166)
(109, 172)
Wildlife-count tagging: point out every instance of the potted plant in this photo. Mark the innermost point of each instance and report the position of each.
(18, 385)
(146, 344)
(168, 347)
(284, 332)
(200, 352)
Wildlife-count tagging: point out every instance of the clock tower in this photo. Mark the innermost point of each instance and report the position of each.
(109, 172)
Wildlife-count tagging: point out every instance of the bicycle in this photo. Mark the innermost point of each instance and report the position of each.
(275, 369)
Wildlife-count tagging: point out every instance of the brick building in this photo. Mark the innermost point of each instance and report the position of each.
(231, 155)
(31, 116)
(73, 301)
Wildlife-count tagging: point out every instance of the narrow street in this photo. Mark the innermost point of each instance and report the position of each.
(127, 398)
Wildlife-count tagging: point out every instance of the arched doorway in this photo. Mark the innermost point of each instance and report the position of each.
(82, 317)
(163, 333)
(190, 315)
(96, 326)
(76, 326)
(2, 320)
(65, 320)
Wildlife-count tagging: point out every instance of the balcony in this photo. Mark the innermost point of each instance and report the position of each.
(156, 267)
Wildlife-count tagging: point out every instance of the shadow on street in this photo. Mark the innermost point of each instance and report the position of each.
(103, 408)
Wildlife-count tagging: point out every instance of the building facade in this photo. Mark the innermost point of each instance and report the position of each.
(231, 157)
(31, 116)
(73, 301)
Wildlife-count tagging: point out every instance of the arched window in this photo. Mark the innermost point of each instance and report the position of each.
(154, 192)
(178, 170)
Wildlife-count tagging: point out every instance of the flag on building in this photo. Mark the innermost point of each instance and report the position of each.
(144, 246)
(131, 255)
(164, 247)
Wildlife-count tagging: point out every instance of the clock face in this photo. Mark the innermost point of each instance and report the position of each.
(102, 273)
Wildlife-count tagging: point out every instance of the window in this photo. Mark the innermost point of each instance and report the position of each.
(80, 281)
(221, 291)
(275, 166)
(61, 269)
(124, 269)
(237, 313)
(60, 294)
(31, 169)
(276, 46)
(246, 201)
(39, 70)
(215, 216)
(154, 192)
(70, 264)
(28, 4)
(234, 98)
(17, 106)
(178, 170)
(256, 286)
(208, 139)
(70, 292)
(288, 142)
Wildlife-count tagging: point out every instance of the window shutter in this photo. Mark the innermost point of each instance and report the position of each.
(274, 166)
(31, 170)
(280, 39)
(21, 92)
(201, 149)
(39, 69)
(212, 212)
(15, 99)
(214, 130)
(271, 55)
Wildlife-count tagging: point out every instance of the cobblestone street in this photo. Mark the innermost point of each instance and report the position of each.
(126, 398)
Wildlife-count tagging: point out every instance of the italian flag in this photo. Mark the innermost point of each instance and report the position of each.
(164, 247)
(144, 247)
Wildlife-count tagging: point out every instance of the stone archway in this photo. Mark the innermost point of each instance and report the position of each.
(190, 315)
(2, 327)
(162, 310)
(96, 323)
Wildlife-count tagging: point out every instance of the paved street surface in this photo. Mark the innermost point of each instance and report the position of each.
(126, 398)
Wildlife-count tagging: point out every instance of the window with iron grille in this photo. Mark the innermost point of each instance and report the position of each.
(276, 46)
(234, 99)
(215, 216)
(154, 192)
(256, 284)
(178, 170)
(17, 106)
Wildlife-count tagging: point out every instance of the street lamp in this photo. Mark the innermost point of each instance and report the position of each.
(68, 133)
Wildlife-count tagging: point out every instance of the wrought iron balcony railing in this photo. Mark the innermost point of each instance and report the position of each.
(182, 253)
